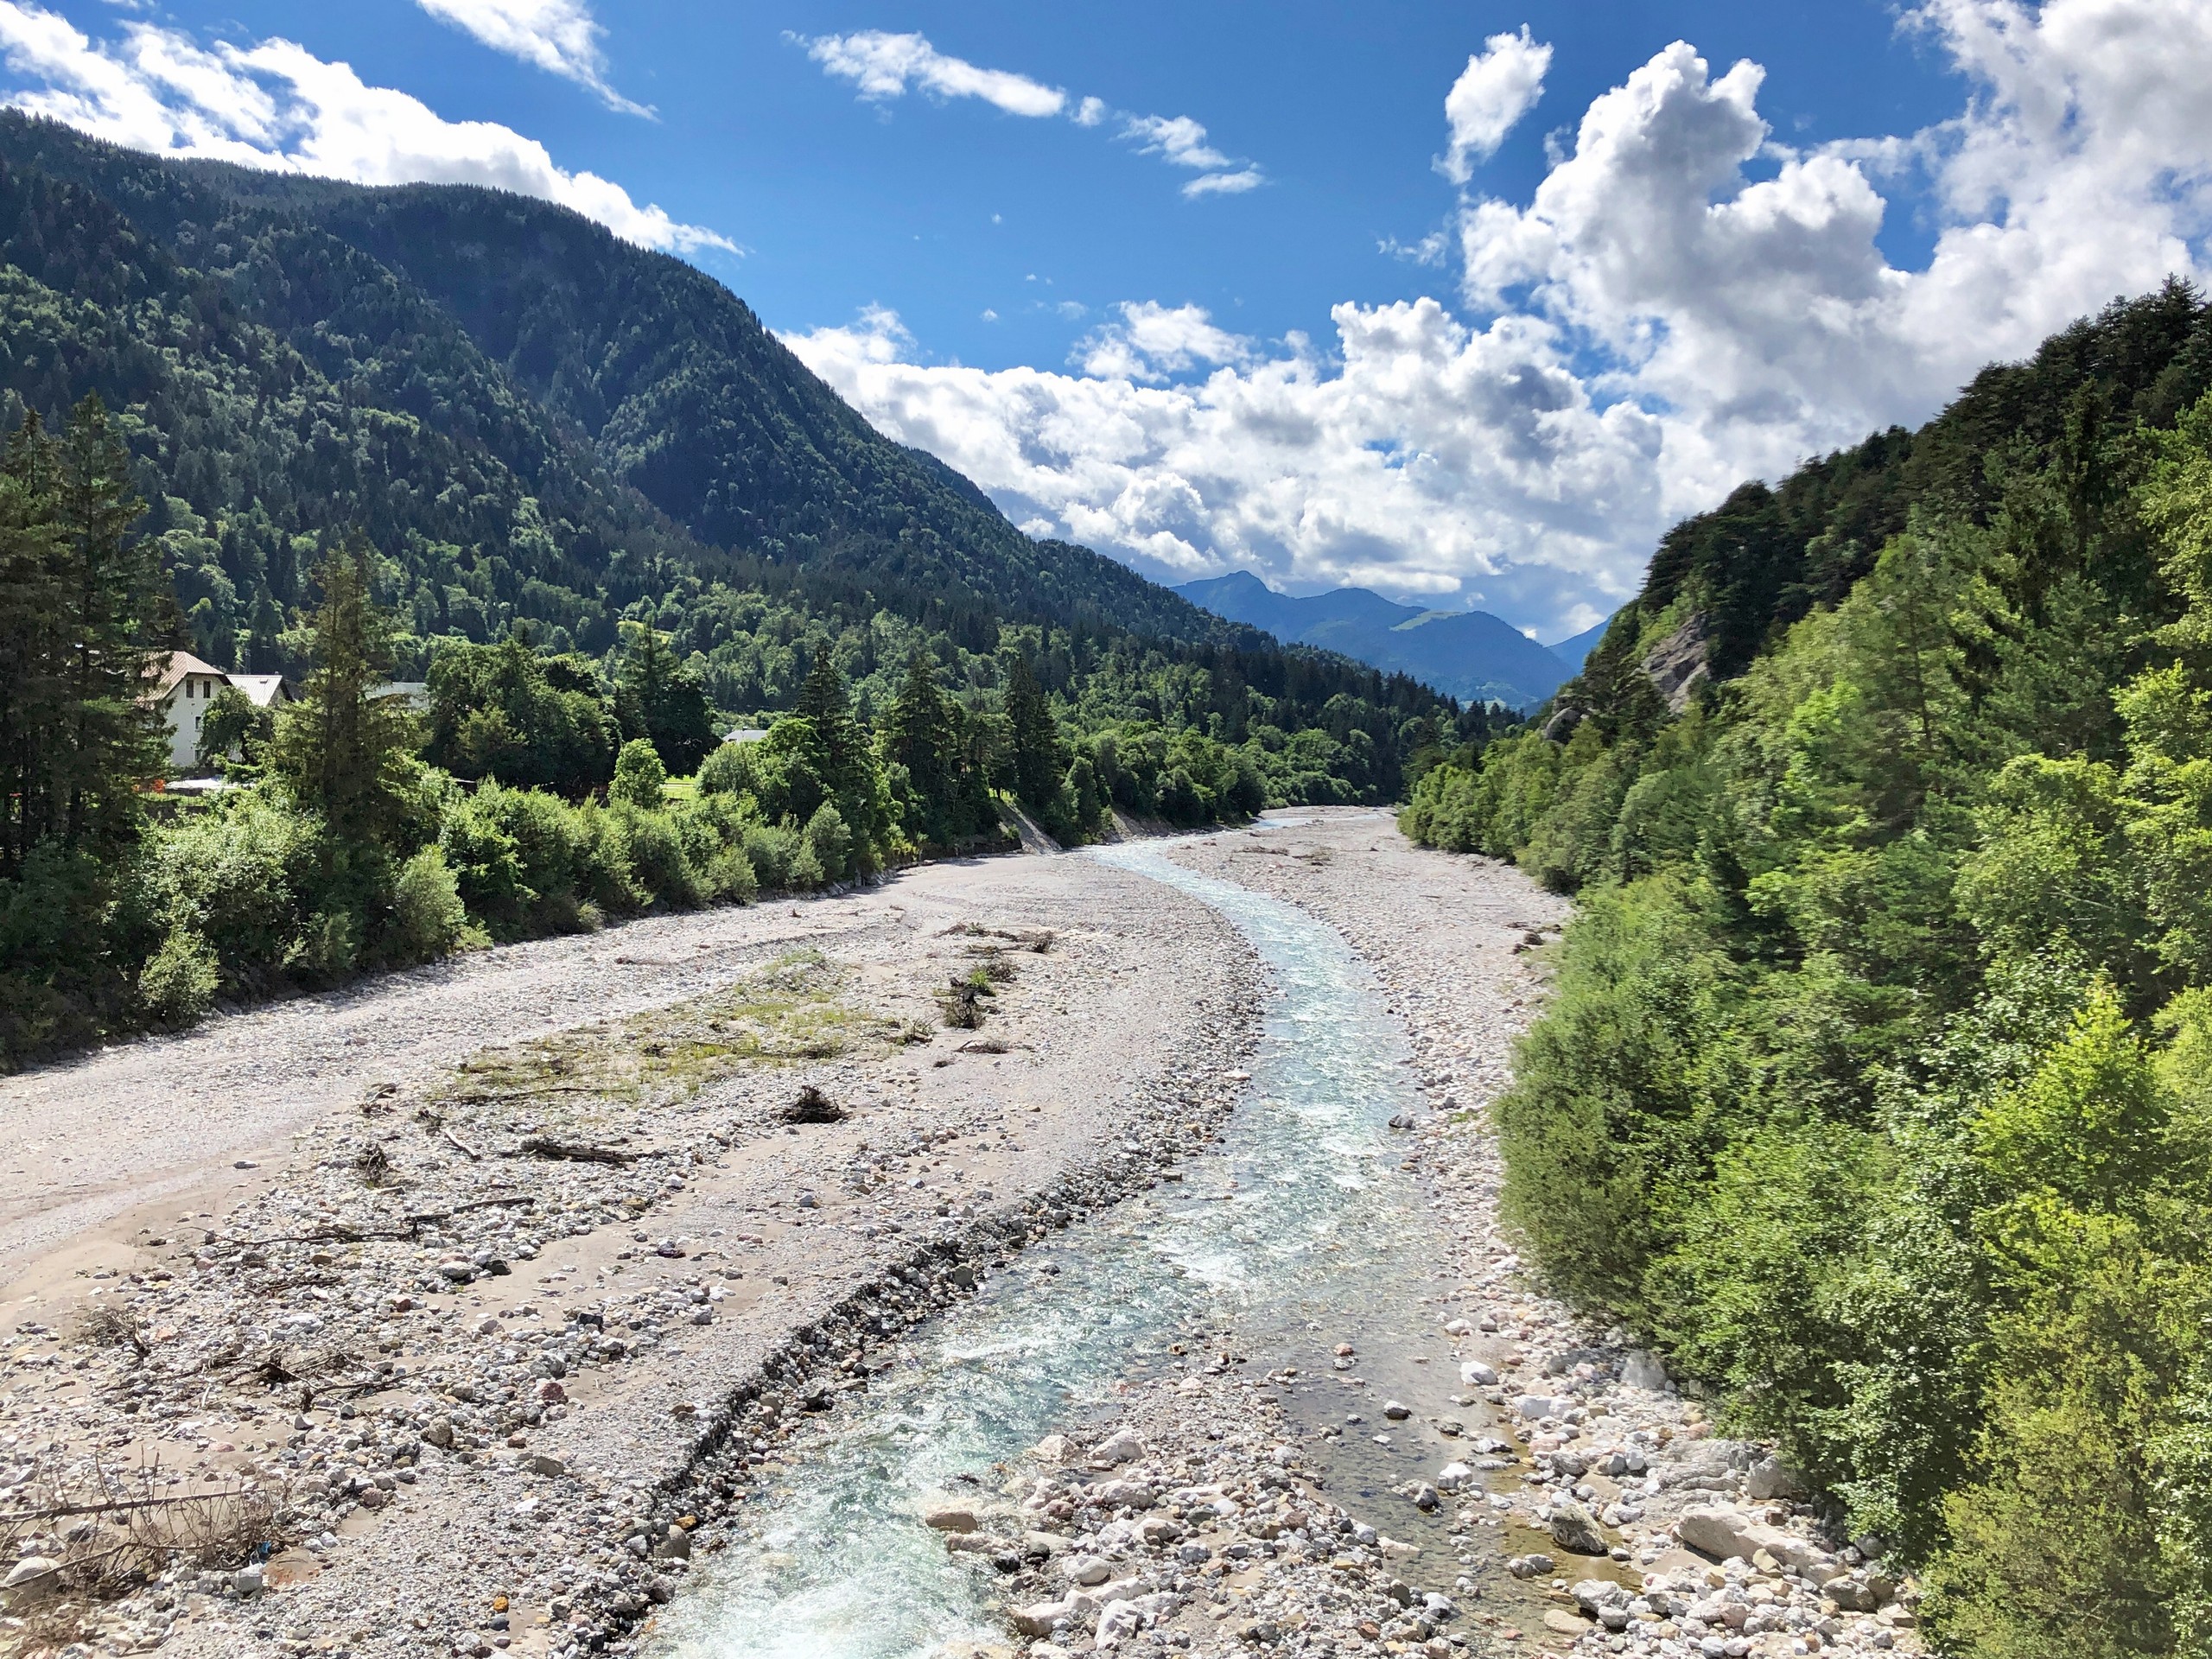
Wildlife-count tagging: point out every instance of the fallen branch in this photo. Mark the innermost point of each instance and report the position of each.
(65, 1510)
(523, 1094)
(544, 1146)
(409, 1225)
(474, 1156)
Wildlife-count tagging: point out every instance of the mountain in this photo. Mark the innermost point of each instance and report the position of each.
(1470, 655)
(1889, 805)
(539, 426)
(1574, 651)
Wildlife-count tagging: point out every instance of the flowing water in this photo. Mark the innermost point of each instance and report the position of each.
(1297, 1233)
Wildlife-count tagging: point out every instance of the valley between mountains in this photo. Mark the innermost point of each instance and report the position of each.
(526, 1300)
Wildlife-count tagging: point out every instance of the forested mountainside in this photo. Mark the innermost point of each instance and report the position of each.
(1878, 1085)
(1470, 655)
(452, 435)
(539, 425)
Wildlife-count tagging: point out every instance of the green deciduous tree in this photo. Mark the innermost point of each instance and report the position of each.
(659, 698)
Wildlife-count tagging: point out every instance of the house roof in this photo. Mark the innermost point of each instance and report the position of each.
(181, 664)
(263, 690)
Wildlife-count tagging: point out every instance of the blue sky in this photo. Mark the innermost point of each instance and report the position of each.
(1489, 384)
(942, 209)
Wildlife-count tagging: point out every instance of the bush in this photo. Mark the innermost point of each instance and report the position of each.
(243, 877)
(178, 983)
(712, 830)
(484, 861)
(428, 920)
(652, 858)
(830, 841)
(774, 852)
(730, 769)
(327, 949)
(640, 776)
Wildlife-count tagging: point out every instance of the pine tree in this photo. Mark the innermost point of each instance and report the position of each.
(822, 699)
(344, 751)
(78, 602)
(920, 734)
(1037, 767)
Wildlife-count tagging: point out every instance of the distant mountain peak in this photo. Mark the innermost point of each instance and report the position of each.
(1470, 655)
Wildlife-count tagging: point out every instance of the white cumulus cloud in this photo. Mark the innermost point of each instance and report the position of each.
(883, 65)
(1500, 84)
(276, 105)
(1177, 138)
(1681, 303)
(559, 36)
(1150, 341)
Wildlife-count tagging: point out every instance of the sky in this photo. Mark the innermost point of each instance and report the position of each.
(1466, 303)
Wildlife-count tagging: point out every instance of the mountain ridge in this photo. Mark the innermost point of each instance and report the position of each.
(1470, 655)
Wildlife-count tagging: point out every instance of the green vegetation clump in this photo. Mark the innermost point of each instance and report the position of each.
(1877, 1085)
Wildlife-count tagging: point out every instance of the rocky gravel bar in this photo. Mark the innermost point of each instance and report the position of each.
(558, 1252)
(1575, 1502)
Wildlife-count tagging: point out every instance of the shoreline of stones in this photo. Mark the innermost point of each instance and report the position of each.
(830, 1356)
(1591, 1443)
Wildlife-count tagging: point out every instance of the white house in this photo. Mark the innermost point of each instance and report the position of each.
(184, 688)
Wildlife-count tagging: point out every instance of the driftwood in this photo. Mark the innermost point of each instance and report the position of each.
(812, 1106)
(544, 1146)
(344, 1233)
(474, 1156)
(64, 1511)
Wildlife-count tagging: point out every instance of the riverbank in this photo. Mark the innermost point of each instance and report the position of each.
(1580, 1503)
(502, 1293)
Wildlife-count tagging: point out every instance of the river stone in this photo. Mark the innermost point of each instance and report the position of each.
(1117, 1621)
(1771, 1478)
(1572, 1529)
(1086, 1570)
(30, 1570)
(1120, 1494)
(1120, 1447)
(1476, 1374)
(1038, 1618)
(1564, 1622)
(1454, 1476)
(1594, 1594)
(1721, 1533)
(1053, 1448)
(951, 1518)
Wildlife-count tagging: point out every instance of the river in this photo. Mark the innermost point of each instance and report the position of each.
(1296, 1233)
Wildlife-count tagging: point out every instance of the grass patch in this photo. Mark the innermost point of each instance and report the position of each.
(792, 1011)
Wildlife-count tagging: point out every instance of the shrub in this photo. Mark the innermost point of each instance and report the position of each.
(178, 982)
(730, 769)
(652, 857)
(328, 946)
(712, 831)
(638, 775)
(428, 918)
(806, 873)
(773, 853)
(830, 841)
(484, 861)
(243, 877)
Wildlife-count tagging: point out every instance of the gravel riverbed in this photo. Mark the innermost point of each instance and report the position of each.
(501, 1339)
